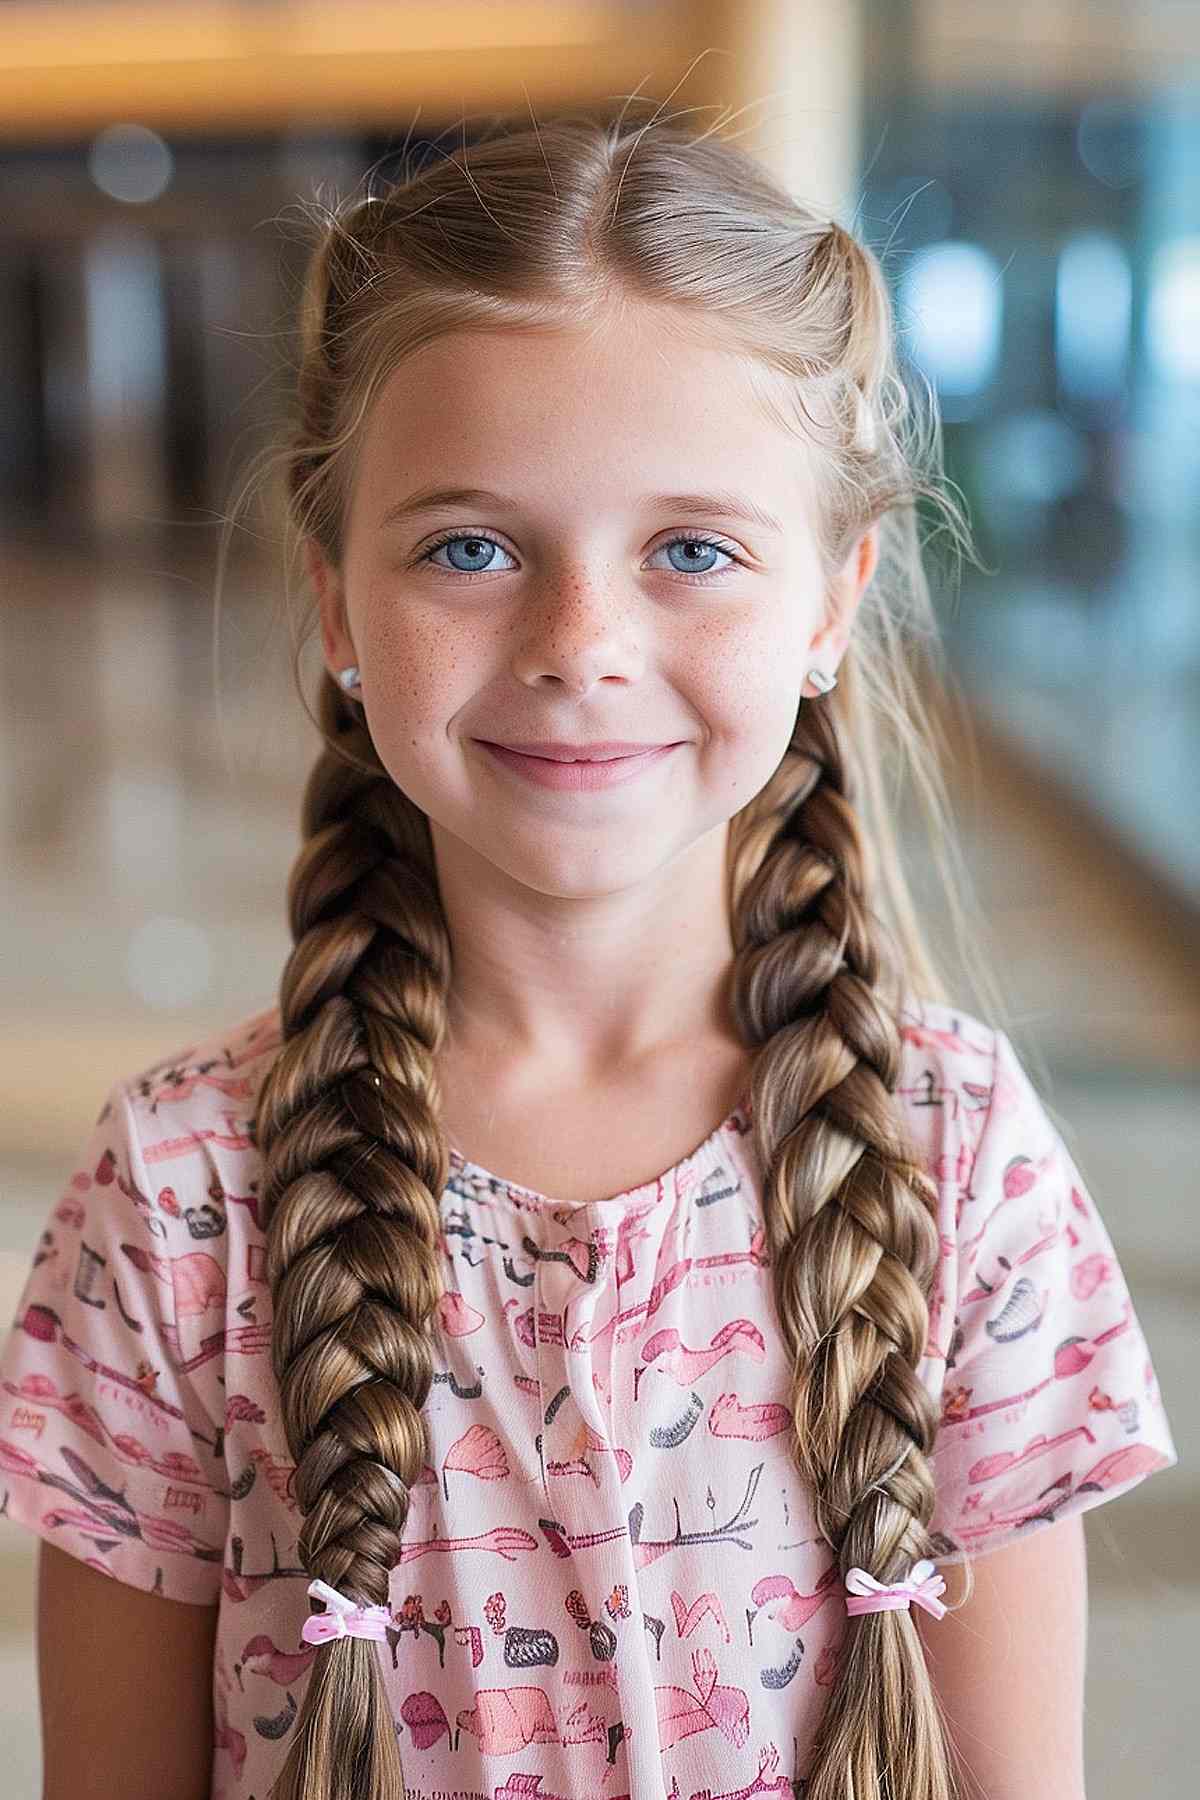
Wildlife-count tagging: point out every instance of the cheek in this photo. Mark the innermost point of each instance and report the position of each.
(422, 677)
(752, 691)
(428, 667)
(419, 662)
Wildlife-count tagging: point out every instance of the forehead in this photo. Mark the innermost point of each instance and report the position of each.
(638, 403)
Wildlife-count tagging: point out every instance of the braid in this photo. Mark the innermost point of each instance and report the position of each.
(354, 1163)
(852, 1234)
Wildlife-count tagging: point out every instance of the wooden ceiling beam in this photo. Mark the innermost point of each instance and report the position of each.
(68, 70)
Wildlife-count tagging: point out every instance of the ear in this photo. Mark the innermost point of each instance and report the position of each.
(829, 645)
(335, 637)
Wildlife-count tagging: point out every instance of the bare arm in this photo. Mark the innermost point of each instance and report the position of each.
(1009, 1667)
(125, 1682)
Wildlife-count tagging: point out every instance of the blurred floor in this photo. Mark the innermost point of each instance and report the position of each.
(145, 840)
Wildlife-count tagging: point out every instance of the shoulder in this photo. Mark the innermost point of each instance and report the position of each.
(193, 1108)
(948, 1060)
(206, 1078)
(958, 1042)
(190, 1119)
(147, 1290)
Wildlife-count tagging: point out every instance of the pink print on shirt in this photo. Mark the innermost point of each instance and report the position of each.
(611, 1582)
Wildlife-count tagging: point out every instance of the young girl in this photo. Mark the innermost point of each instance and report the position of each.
(503, 1464)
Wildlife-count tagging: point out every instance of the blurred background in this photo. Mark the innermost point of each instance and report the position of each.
(1030, 178)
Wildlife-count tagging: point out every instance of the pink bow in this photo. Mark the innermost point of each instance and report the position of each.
(923, 1584)
(343, 1617)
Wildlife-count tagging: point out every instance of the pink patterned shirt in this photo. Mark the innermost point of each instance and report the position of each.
(611, 1582)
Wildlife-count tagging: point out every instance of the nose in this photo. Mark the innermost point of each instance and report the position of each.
(578, 630)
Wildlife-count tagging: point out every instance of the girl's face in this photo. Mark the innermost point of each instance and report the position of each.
(578, 601)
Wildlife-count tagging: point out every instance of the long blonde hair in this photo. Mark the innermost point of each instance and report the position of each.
(539, 227)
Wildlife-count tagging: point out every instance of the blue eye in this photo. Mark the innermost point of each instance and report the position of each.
(478, 545)
(693, 543)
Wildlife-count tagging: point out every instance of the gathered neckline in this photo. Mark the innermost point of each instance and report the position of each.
(737, 1122)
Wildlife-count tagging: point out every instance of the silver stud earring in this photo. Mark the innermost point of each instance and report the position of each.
(348, 677)
(821, 681)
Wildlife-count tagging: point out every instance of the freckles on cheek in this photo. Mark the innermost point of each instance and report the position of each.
(421, 669)
(757, 688)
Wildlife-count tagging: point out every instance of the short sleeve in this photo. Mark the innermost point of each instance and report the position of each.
(1049, 1404)
(106, 1449)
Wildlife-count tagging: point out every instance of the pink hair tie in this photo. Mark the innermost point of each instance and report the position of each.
(343, 1617)
(923, 1584)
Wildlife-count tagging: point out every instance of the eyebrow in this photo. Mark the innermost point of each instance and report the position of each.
(723, 503)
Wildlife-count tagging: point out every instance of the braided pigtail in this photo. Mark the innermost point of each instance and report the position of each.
(852, 1233)
(354, 1163)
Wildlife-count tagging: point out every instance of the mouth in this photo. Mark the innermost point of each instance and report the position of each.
(577, 774)
(565, 753)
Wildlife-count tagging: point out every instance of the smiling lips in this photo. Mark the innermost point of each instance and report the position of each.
(613, 770)
(555, 750)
